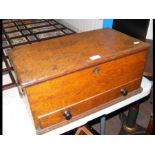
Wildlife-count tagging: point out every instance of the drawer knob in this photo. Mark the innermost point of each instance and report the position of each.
(124, 92)
(67, 115)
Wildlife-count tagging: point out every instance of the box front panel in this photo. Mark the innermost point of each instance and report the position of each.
(67, 90)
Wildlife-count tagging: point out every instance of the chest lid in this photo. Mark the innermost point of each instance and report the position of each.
(49, 59)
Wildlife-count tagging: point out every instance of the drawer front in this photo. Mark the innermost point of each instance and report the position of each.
(67, 90)
(85, 107)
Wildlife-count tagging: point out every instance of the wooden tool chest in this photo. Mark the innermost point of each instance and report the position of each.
(67, 78)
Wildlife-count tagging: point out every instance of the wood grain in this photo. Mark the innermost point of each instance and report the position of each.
(53, 58)
(58, 75)
(82, 107)
(61, 92)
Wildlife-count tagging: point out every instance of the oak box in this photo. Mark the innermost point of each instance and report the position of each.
(67, 78)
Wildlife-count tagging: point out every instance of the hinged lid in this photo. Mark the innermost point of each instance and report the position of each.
(49, 59)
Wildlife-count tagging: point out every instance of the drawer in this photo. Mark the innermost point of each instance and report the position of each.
(85, 107)
(72, 88)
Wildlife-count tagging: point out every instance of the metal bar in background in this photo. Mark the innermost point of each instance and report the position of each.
(102, 125)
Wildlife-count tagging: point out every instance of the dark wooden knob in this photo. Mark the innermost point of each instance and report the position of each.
(124, 92)
(67, 115)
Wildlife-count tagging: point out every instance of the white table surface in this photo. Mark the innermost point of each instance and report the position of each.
(17, 119)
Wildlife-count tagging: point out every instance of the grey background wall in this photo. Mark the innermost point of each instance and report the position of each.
(82, 25)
